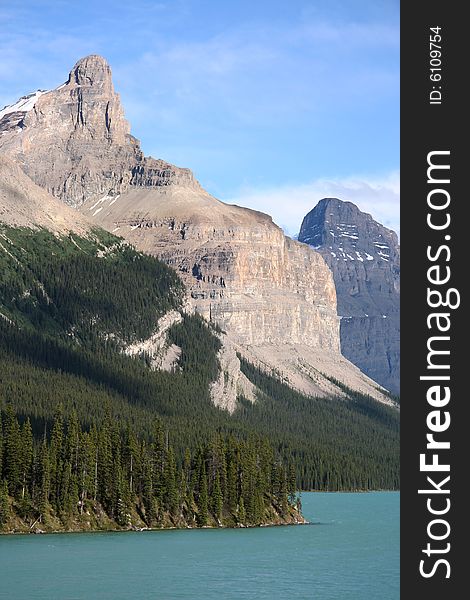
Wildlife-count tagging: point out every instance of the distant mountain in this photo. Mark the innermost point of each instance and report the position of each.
(274, 297)
(364, 257)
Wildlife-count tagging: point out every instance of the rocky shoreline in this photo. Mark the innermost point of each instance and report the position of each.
(102, 524)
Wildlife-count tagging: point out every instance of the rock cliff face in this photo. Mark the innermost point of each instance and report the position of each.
(269, 293)
(274, 297)
(364, 257)
(240, 269)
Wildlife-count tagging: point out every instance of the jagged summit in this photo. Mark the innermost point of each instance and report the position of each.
(334, 220)
(75, 140)
(364, 257)
(92, 70)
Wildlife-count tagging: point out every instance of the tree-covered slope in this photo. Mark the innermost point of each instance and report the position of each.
(68, 305)
(82, 287)
(336, 443)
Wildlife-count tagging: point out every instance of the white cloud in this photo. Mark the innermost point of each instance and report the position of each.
(379, 196)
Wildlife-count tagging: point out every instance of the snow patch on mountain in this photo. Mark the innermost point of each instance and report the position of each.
(24, 104)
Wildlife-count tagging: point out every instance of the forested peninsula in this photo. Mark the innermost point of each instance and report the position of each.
(106, 478)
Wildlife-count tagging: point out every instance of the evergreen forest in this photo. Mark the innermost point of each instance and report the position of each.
(76, 409)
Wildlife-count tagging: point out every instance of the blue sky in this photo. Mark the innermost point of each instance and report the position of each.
(272, 104)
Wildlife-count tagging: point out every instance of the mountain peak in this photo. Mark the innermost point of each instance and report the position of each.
(75, 140)
(330, 200)
(91, 70)
(364, 257)
(334, 222)
(339, 206)
(92, 59)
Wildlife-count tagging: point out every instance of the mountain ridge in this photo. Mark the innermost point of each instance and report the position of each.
(268, 292)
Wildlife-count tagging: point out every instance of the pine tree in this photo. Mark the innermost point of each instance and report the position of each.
(258, 505)
(12, 452)
(149, 501)
(232, 480)
(68, 493)
(56, 458)
(43, 481)
(158, 462)
(248, 483)
(130, 459)
(26, 458)
(4, 503)
(72, 452)
(186, 488)
(203, 500)
(105, 464)
(95, 447)
(217, 498)
(121, 508)
(170, 486)
(241, 512)
(283, 492)
(292, 484)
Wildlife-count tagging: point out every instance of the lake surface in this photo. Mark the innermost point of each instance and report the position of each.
(350, 552)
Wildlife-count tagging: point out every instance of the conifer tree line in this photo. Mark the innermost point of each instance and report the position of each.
(71, 473)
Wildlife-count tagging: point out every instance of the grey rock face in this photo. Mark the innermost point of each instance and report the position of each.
(364, 257)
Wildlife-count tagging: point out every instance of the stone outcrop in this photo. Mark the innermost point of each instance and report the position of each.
(157, 349)
(266, 291)
(231, 382)
(364, 257)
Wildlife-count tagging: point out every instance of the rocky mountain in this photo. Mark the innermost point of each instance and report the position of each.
(274, 297)
(364, 257)
(75, 141)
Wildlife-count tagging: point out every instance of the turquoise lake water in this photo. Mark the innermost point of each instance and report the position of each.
(351, 551)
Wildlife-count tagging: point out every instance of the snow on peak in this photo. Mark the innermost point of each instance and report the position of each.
(24, 104)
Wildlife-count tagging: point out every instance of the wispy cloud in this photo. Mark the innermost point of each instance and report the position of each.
(379, 196)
